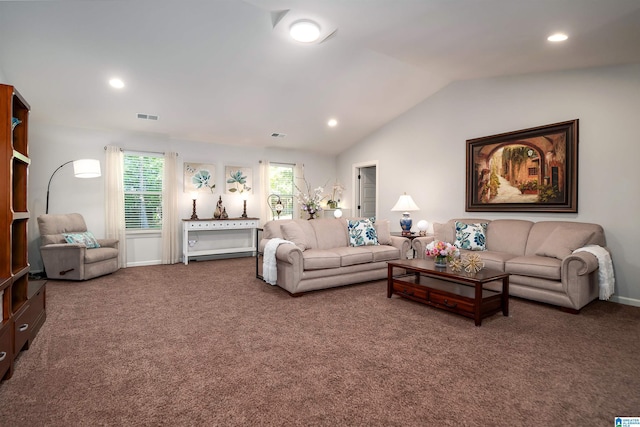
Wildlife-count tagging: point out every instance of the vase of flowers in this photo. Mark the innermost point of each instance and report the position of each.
(310, 199)
(442, 252)
(334, 200)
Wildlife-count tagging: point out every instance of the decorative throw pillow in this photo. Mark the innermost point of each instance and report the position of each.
(383, 230)
(87, 238)
(471, 236)
(562, 242)
(361, 232)
(293, 233)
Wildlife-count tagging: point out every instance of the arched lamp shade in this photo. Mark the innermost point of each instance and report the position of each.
(83, 168)
(405, 204)
(86, 168)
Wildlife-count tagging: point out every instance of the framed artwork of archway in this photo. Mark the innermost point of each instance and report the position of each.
(529, 170)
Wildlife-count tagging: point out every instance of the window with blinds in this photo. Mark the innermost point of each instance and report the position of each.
(143, 191)
(281, 184)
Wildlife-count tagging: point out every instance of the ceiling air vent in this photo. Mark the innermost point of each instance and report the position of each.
(278, 135)
(143, 116)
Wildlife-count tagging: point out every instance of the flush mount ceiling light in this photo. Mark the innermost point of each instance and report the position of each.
(305, 31)
(116, 83)
(332, 123)
(557, 37)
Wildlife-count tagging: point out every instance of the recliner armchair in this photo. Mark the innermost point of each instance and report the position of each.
(73, 261)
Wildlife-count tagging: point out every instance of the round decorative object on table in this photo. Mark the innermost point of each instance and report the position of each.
(440, 261)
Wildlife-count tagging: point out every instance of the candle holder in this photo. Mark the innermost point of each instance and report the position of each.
(244, 210)
(194, 196)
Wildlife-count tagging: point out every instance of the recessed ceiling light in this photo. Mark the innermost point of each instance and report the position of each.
(116, 83)
(305, 31)
(332, 123)
(557, 37)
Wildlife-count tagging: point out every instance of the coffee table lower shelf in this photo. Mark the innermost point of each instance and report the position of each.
(452, 292)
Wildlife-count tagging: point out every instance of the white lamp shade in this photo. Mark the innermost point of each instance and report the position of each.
(86, 168)
(405, 204)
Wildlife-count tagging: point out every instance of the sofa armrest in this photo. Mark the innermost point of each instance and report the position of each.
(64, 260)
(108, 243)
(401, 243)
(580, 262)
(580, 278)
(291, 254)
(419, 245)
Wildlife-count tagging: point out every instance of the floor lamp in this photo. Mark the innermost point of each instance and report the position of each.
(83, 168)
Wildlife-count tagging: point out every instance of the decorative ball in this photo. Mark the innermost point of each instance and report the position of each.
(337, 213)
(422, 227)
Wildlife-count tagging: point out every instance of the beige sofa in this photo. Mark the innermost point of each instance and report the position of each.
(322, 256)
(538, 257)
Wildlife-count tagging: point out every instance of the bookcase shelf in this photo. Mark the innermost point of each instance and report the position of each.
(22, 305)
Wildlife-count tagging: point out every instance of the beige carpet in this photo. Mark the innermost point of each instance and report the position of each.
(208, 344)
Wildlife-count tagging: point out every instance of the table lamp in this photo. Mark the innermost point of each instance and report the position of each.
(405, 205)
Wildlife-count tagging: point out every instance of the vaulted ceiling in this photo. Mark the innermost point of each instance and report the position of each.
(225, 71)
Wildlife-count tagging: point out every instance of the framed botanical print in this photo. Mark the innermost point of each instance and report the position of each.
(238, 180)
(199, 177)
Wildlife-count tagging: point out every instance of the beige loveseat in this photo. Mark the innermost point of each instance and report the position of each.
(538, 256)
(322, 256)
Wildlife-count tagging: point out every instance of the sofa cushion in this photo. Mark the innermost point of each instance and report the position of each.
(362, 233)
(384, 253)
(492, 259)
(329, 233)
(293, 232)
(535, 266)
(540, 232)
(85, 238)
(316, 259)
(353, 256)
(471, 236)
(383, 229)
(508, 235)
(444, 232)
(563, 241)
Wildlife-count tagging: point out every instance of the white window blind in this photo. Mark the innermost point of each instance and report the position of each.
(143, 191)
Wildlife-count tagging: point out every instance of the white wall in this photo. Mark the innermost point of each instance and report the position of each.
(50, 146)
(422, 152)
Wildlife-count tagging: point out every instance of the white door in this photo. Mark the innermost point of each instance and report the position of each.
(367, 202)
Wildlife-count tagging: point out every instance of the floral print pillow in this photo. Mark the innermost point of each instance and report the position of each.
(471, 236)
(361, 232)
(87, 238)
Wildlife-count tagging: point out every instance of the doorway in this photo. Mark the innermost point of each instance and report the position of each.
(366, 189)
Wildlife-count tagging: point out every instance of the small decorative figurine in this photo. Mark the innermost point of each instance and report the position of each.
(224, 214)
(218, 212)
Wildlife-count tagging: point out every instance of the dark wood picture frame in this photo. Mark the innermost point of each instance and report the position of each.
(529, 170)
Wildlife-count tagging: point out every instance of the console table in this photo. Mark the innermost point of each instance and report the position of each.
(241, 225)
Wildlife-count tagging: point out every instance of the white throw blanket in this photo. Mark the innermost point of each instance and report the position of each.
(269, 267)
(605, 269)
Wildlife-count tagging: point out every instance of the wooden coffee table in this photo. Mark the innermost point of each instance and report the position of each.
(462, 293)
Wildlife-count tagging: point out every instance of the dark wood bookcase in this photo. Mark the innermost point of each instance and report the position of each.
(23, 303)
